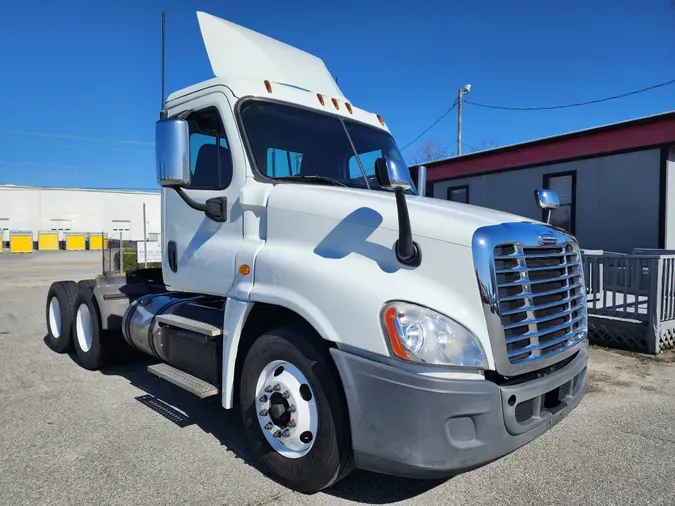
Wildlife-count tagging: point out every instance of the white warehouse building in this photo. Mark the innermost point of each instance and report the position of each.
(38, 209)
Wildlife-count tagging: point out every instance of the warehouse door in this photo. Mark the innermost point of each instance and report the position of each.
(564, 184)
(121, 229)
(60, 226)
(4, 230)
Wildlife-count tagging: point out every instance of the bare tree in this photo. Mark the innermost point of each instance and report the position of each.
(430, 151)
(485, 144)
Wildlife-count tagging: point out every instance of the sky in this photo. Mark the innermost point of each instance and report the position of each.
(80, 83)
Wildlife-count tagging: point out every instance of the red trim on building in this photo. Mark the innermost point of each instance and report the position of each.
(557, 149)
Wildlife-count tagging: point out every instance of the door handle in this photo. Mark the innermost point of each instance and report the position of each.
(172, 256)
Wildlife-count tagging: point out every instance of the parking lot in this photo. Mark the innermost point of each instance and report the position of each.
(120, 436)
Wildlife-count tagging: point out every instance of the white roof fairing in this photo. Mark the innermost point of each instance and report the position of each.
(238, 52)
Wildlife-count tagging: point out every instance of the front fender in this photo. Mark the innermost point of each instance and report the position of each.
(337, 275)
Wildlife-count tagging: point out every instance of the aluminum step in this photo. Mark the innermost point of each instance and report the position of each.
(184, 380)
(184, 323)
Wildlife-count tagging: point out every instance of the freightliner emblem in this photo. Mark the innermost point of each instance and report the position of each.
(547, 239)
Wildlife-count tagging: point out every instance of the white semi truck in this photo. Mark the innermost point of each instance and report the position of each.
(354, 322)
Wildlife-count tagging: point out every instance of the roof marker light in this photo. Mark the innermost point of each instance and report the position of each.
(268, 86)
(381, 120)
(349, 107)
(320, 97)
(335, 103)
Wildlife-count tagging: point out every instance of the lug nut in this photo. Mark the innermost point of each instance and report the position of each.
(263, 398)
(268, 426)
(292, 423)
(287, 394)
(277, 387)
(277, 434)
(268, 388)
(291, 408)
(286, 433)
(263, 412)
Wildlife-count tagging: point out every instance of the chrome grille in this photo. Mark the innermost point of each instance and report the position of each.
(541, 299)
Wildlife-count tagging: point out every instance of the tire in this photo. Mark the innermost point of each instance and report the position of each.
(87, 283)
(89, 339)
(304, 466)
(60, 315)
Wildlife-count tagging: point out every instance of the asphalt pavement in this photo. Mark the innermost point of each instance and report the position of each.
(120, 436)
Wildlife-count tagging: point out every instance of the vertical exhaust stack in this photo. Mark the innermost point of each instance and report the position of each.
(162, 112)
(422, 181)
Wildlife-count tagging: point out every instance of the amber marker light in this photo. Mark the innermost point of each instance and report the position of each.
(390, 316)
(320, 97)
(381, 120)
(335, 103)
(349, 107)
(244, 270)
(268, 85)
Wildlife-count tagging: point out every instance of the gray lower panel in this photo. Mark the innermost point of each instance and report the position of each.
(415, 426)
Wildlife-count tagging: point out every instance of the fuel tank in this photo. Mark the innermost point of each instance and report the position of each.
(192, 352)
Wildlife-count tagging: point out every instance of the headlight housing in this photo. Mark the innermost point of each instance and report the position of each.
(421, 335)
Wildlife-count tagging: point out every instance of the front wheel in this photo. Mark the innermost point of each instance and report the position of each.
(294, 410)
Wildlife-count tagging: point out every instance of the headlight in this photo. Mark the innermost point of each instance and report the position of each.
(421, 335)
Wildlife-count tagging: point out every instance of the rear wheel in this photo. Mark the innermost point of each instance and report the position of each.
(88, 337)
(60, 315)
(294, 410)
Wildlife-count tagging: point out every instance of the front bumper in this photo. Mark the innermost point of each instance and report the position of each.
(409, 425)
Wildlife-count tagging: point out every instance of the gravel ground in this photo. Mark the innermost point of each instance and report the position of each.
(120, 436)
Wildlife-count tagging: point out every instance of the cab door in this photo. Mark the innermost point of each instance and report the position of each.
(198, 252)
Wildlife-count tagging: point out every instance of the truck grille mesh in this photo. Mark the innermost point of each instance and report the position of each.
(541, 299)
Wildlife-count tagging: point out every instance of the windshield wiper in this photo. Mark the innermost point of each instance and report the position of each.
(298, 177)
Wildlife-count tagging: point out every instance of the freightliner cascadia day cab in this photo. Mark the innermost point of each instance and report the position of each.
(353, 322)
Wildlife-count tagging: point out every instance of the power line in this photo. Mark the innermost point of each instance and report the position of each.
(577, 104)
(430, 127)
(78, 137)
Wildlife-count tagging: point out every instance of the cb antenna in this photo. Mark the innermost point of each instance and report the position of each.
(162, 113)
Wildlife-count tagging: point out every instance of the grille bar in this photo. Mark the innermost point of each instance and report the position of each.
(539, 307)
(540, 255)
(541, 299)
(535, 269)
(547, 344)
(543, 319)
(550, 330)
(529, 295)
(522, 282)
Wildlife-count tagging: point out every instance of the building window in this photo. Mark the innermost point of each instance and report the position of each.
(565, 184)
(210, 159)
(459, 194)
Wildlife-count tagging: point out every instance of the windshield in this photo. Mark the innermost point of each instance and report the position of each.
(288, 141)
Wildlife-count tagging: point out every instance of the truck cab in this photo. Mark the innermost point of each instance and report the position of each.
(354, 322)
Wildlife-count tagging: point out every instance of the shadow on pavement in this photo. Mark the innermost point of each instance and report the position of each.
(184, 409)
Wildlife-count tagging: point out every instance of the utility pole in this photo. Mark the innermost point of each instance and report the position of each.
(460, 94)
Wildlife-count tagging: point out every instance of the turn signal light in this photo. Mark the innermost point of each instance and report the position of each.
(244, 270)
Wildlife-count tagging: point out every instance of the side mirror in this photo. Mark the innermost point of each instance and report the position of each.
(547, 200)
(393, 174)
(172, 151)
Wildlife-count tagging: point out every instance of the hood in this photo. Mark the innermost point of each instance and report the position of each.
(238, 52)
(433, 218)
